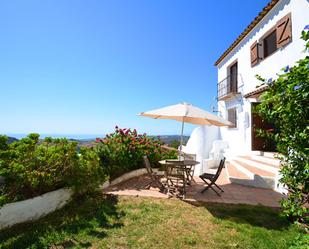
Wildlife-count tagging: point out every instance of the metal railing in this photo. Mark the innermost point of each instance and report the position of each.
(227, 87)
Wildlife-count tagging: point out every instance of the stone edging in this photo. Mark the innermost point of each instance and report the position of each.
(37, 207)
(34, 208)
(124, 177)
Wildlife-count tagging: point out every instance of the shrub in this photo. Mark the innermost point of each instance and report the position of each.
(286, 104)
(124, 149)
(32, 167)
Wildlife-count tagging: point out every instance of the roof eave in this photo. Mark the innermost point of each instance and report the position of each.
(249, 28)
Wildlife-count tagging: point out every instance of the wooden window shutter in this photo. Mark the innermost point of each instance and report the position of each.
(284, 31)
(254, 53)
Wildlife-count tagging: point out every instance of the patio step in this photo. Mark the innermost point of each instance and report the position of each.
(258, 159)
(252, 172)
(267, 160)
(234, 172)
(256, 170)
(258, 164)
(263, 153)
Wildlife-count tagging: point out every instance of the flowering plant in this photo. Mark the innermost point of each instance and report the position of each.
(123, 150)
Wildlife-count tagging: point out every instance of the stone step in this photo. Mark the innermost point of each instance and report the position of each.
(267, 160)
(233, 172)
(255, 170)
(264, 154)
(258, 164)
(241, 173)
(243, 170)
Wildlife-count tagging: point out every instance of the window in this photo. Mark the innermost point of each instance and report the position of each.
(233, 77)
(232, 116)
(277, 37)
(269, 44)
(232, 72)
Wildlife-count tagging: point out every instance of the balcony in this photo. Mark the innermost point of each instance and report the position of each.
(227, 88)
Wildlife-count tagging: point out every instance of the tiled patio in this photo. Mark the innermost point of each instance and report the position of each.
(233, 193)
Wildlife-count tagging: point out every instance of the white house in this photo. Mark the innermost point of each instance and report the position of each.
(270, 43)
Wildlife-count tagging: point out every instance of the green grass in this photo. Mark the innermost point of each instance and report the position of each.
(100, 221)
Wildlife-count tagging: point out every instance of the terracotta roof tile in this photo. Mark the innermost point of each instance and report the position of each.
(256, 92)
(256, 20)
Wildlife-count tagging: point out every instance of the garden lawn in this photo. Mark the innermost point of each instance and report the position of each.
(100, 221)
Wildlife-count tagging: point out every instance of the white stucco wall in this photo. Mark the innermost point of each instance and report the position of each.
(240, 138)
(33, 209)
(200, 144)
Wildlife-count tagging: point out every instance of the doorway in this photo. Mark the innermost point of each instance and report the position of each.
(258, 142)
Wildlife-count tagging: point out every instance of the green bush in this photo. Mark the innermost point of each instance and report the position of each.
(286, 104)
(123, 151)
(32, 167)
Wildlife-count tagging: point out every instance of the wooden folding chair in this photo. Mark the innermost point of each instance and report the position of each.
(210, 179)
(155, 178)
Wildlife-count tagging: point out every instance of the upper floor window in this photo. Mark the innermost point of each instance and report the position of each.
(232, 77)
(228, 87)
(275, 38)
(269, 44)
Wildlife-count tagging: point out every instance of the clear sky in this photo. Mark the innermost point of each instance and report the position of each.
(82, 67)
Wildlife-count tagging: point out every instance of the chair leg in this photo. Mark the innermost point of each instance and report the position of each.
(184, 186)
(148, 185)
(209, 185)
(218, 187)
(215, 191)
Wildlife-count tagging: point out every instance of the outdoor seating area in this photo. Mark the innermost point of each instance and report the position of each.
(195, 188)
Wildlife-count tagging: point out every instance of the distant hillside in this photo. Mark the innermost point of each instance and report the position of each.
(83, 142)
(12, 139)
(168, 139)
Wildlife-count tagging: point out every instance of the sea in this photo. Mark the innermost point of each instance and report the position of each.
(69, 136)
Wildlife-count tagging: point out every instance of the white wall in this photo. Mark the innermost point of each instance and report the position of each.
(240, 138)
(33, 209)
(200, 144)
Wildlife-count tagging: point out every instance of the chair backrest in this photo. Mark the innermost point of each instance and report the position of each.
(187, 156)
(147, 165)
(221, 165)
(190, 156)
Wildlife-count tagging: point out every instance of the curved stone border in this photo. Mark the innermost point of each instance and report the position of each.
(35, 208)
(124, 177)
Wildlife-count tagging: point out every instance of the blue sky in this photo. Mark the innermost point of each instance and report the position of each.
(82, 67)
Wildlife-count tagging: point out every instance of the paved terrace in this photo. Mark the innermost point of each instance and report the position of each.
(233, 193)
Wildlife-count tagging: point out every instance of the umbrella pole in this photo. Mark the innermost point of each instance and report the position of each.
(181, 138)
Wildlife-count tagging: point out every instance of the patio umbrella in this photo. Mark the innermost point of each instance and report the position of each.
(186, 113)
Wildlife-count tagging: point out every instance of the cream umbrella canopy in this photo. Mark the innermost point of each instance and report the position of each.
(186, 113)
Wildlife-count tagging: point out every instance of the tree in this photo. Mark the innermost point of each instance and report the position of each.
(175, 143)
(285, 103)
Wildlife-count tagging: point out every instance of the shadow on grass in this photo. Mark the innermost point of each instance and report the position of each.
(90, 215)
(258, 216)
